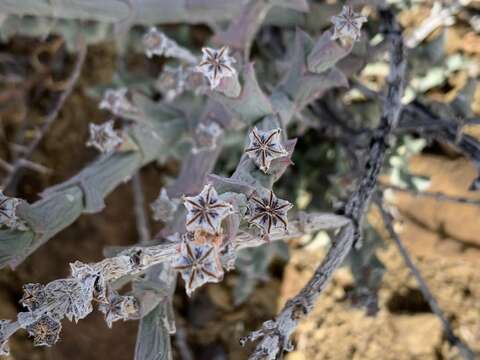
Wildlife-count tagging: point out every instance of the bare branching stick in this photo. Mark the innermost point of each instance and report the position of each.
(439, 196)
(465, 351)
(275, 334)
(416, 117)
(50, 118)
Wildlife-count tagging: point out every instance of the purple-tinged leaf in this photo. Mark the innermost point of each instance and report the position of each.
(326, 53)
(252, 103)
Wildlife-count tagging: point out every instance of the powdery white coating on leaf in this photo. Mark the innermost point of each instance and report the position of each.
(163, 207)
(264, 147)
(268, 213)
(104, 138)
(8, 212)
(45, 331)
(216, 64)
(198, 264)
(206, 136)
(347, 24)
(206, 211)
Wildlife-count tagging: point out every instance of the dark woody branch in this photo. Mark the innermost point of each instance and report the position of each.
(275, 334)
(463, 348)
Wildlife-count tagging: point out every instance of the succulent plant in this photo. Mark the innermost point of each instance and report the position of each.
(203, 103)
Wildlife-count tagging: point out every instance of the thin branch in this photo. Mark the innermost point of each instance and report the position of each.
(439, 196)
(50, 118)
(416, 117)
(275, 334)
(34, 166)
(465, 351)
(139, 259)
(139, 209)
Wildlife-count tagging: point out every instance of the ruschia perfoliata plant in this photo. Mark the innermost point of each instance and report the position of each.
(210, 98)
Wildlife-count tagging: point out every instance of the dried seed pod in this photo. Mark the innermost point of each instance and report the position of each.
(91, 278)
(119, 307)
(8, 212)
(171, 82)
(72, 298)
(268, 213)
(206, 211)
(117, 103)
(175, 80)
(163, 207)
(104, 138)
(45, 331)
(198, 264)
(216, 64)
(206, 136)
(347, 24)
(264, 147)
(33, 296)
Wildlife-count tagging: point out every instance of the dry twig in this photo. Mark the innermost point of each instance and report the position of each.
(465, 351)
(49, 120)
(275, 335)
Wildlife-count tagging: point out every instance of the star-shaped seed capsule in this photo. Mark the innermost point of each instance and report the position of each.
(216, 64)
(104, 138)
(206, 137)
(116, 101)
(154, 42)
(264, 147)
(163, 207)
(268, 213)
(347, 24)
(33, 296)
(8, 211)
(206, 211)
(198, 264)
(119, 307)
(45, 331)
